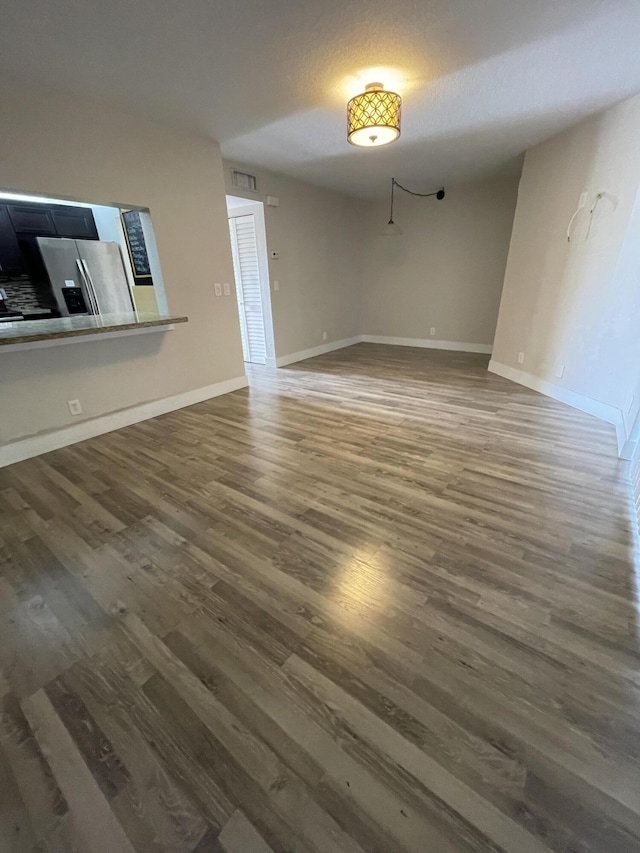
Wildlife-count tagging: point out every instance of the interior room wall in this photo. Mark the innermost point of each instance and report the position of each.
(54, 144)
(572, 308)
(445, 270)
(318, 234)
(158, 295)
(109, 227)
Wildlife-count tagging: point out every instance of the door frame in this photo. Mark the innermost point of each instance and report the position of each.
(257, 209)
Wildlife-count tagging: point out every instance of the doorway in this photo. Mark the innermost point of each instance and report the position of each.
(251, 271)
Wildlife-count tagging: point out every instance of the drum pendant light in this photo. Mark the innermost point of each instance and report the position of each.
(373, 118)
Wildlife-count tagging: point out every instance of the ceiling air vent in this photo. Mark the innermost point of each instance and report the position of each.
(244, 181)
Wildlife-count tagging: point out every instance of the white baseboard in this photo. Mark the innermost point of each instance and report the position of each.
(603, 411)
(427, 343)
(284, 360)
(35, 445)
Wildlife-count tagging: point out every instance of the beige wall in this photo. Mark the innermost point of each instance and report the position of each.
(318, 235)
(446, 268)
(57, 145)
(578, 304)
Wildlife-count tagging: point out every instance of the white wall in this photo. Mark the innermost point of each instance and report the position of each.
(319, 236)
(57, 145)
(109, 227)
(154, 262)
(577, 304)
(446, 268)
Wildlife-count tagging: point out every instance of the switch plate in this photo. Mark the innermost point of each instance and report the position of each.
(276, 285)
(74, 407)
(583, 200)
(432, 331)
(324, 336)
(226, 288)
(520, 358)
(217, 288)
(560, 371)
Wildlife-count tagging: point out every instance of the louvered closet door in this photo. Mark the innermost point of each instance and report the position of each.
(245, 263)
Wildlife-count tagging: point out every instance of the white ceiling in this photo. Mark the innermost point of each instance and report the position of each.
(482, 80)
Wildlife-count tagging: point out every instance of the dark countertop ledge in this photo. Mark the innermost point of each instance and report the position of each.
(30, 331)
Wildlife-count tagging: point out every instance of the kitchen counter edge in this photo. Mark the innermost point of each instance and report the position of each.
(47, 330)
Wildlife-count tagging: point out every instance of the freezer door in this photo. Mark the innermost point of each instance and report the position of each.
(61, 259)
(107, 280)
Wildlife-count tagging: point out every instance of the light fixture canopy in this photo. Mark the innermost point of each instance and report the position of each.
(373, 118)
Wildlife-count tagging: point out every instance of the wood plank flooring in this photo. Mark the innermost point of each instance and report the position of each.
(380, 601)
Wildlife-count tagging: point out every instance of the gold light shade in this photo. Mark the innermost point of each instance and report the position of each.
(373, 118)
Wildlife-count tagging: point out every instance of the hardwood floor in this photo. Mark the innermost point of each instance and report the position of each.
(381, 601)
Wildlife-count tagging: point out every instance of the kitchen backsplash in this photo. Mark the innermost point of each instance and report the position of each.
(22, 294)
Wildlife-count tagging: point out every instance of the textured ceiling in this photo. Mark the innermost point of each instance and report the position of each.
(482, 80)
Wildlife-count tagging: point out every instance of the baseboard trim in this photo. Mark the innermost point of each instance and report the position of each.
(284, 360)
(35, 445)
(603, 411)
(427, 343)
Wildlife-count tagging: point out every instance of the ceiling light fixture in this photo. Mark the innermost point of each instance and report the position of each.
(391, 229)
(373, 118)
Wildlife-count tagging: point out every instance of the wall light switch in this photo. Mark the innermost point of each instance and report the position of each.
(226, 288)
(324, 336)
(520, 358)
(583, 200)
(217, 288)
(560, 371)
(276, 285)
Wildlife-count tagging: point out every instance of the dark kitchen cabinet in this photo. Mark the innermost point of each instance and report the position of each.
(11, 260)
(76, 222)
(32, 219)
(53, 220)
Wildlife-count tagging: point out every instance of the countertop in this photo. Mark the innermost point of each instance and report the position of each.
(31, 331)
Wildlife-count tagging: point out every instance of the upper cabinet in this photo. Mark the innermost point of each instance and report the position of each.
(76, 222)
(11, 261)
(32, 219)
(53, 220)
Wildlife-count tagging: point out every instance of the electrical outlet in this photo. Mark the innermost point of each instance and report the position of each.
(276, 285)
(520, 358)
(74, 407)
(432, 331)
(217, 288)
(560, 371)
(226, 288)
(324, 336)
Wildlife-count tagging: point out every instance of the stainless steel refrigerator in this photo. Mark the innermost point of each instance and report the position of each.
(87, 276)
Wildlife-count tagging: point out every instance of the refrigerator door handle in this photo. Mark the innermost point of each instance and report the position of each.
(87, 288)
(91, 286)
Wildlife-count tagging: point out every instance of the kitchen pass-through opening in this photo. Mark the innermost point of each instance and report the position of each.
(251, 270)
(63, 258)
